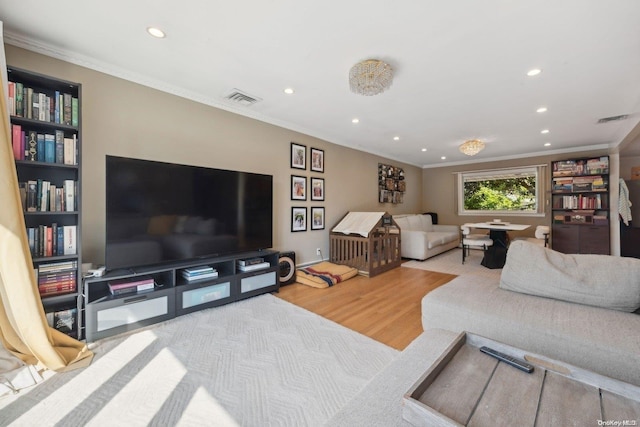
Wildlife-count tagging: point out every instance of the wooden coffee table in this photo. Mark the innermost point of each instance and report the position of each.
(466, 387)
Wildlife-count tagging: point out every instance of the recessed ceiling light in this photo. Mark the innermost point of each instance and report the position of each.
(541, 110)
(288, 91)
(545, 131)
(424, 149)
(356, 120)
(443, 158)
(396, 138)
(156, 32)
(547, 144)
(534, 72)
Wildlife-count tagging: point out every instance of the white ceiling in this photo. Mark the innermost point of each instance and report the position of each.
(460, 66)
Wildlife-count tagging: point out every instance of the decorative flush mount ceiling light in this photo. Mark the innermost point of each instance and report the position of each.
(370, 77)
(472, 147)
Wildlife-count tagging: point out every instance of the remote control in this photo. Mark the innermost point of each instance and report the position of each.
(517, 363)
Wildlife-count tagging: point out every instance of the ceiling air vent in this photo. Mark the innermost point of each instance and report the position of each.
(239, 97)
(613, 118)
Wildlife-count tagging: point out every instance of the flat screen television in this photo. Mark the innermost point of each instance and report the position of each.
(159, 212)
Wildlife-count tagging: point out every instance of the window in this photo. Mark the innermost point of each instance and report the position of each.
(512, 191)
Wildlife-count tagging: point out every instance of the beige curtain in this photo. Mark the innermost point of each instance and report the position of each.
(23, 327)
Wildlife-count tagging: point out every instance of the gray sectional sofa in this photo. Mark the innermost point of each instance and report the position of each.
(602, 339)
(531, 308)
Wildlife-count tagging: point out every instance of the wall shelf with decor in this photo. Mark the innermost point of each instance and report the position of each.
(45, 136)
(391, 184)
(580, 205)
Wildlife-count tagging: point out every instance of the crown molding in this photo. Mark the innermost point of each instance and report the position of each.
(607, 147)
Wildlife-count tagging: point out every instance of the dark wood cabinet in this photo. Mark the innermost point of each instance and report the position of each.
(581, 239)
(580, 206)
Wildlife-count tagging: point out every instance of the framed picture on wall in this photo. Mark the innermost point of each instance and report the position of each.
(317, 189)
(317, 160)
(317, 218)
(298, 187)
(298, 156)
(298, 219)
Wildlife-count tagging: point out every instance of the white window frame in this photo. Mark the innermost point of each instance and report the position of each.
(537, 170)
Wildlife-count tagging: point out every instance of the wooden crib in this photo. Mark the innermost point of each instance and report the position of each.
(368, 241)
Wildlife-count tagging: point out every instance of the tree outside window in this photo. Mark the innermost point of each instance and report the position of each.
(509, 191)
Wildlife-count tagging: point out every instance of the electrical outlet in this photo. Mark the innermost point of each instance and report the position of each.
(318, 251)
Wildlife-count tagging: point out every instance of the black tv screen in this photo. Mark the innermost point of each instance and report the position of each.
(160, 212)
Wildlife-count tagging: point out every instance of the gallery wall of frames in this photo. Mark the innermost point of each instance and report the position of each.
(307, 185)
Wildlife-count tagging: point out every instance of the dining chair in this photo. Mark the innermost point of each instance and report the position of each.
(541, 234)
(476, 241)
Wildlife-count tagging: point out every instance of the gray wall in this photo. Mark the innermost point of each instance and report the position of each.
(126, 119)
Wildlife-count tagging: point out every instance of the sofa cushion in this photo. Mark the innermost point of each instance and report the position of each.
(402, 222)
(437, 238)
(597, 280)
(425, 223)
(415, 223)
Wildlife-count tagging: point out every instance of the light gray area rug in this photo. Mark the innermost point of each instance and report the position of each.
(257, 362)
(451, 262)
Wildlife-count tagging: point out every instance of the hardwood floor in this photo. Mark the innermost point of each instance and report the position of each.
(385, 307)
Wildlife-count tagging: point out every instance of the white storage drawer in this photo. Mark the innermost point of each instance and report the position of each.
(126, 313)
(197, 297)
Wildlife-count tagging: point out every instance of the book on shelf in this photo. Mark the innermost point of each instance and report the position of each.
(254, 266)
(32, 200)
(69, 239)
(201, 276)
(57, 266)
(19, 101)
(199, 273)
(40, 147)
(65, 321)
(598, 166)
(59, 137)
(70, 149)
(16, 142)
(69, 195)
(11, 92)
(562, 184)
(192, 271)
(54, 289)
(130, 286)
(56, 107)
(57, 278)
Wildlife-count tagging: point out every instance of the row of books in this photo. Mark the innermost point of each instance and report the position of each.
(53, 240)
(56, 107)
(43, 196)
(44, 147)
(131, 286)
(593, 166)
(578, 202)
(57, 278)
(65, 321)
(581, 183)
(199, 273)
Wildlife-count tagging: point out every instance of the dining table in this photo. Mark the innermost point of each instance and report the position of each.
(496, 255)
